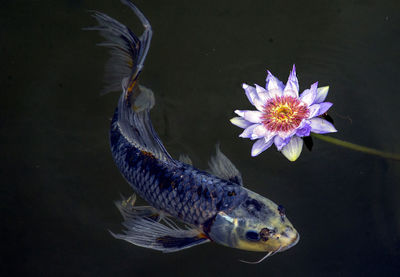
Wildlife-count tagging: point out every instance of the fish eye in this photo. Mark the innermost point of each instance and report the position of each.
(265, 233)
(252, 236)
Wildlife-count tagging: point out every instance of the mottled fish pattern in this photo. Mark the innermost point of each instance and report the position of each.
(179, 189)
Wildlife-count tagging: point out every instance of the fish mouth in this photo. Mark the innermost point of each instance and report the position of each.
(291, 244)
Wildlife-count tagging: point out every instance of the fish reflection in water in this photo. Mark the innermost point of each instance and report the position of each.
(212, 206)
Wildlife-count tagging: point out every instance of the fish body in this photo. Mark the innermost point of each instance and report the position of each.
(179, 189)
(188, 206)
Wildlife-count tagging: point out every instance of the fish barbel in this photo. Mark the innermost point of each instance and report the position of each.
(212, 206)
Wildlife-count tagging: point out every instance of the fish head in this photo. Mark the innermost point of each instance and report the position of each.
(257, 224)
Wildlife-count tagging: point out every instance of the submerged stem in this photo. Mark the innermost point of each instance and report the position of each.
(357, 147)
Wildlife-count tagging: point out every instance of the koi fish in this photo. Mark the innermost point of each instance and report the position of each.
(188, 206)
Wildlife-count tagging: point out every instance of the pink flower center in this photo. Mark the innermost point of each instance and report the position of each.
(284, 113)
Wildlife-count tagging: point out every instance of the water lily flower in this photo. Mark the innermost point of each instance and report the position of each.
(283, 116)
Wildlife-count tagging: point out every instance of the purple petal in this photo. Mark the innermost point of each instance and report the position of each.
(274, 93)
(313, 110)
(259, 104)
(308, 96)
(280, 142)
(318, 109)
(263, 95)
(292, 150)
(269, 136)
(247, 133)
(289, 91)
(304, 131)
(240, 122)
(324, 107)
(260, 131)
(252, 116)
(322, 92)
(273, 83)
(250, 92)
(292, 85)
(286, 135)
(260, 146)
(321, 126)
(239, 112)
(260, 89)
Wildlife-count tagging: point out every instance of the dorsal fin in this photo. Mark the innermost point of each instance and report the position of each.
(185, 159)
(222, 167)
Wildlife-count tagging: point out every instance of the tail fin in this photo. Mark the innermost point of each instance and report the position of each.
(128, 51)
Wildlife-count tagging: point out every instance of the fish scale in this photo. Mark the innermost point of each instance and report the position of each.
(180, 190)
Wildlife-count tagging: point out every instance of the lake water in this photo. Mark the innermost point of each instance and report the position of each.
(59, 181)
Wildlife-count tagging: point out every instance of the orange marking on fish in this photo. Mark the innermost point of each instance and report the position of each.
(203, 236)
(147, 154)
(130, 88)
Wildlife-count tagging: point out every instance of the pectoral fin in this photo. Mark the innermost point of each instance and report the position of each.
(147, 228)
(222, 167)
(171, 244)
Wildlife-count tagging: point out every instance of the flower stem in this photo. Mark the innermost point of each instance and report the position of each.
(357, 147)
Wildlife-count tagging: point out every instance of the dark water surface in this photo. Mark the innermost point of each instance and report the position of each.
(59, 180)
